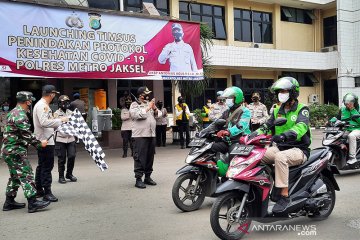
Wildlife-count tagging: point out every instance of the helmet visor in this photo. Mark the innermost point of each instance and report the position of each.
(282, 84)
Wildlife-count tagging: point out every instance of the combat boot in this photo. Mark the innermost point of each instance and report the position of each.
(71, 177)
(139, 183)
(62, 178)
(34, 204)
(49, 196)
(11, 204)
(40, 192)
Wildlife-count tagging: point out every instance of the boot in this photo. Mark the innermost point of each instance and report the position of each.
(71, 177)
(11, 204)
(34, 204)
(49, 196)
(125, 153)
(62, 178)
(149, 181)
(139, 183)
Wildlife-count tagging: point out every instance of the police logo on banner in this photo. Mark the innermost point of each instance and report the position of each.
(94, 21)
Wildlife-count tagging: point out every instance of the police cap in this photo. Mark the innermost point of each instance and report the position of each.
(49, 89)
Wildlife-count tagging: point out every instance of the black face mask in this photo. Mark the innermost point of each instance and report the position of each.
(181, 101)
(178, 36)
(160, 106)
(127, 106)
(64, 106)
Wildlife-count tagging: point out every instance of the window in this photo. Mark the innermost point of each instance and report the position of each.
(214, 16)
(252, 26)
(130, 86)
(168, 95)
(330, 31)
(137, 5)
(214, 85)
(297, 15)
(357, 81)
(304, 79)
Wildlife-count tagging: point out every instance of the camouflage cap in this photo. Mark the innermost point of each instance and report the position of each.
(23, 96)
(63, 98)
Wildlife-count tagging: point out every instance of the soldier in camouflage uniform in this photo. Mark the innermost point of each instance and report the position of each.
(17, 137)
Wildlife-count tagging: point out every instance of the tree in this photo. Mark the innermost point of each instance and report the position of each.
(196, 88)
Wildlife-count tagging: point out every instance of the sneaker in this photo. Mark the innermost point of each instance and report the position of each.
(351, 161)
(149, 181)
(282, 204)
(139, 183)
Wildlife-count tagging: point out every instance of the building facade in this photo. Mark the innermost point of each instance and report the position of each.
(255, 43)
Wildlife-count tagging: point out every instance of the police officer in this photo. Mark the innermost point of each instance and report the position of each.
(17, 137)
(259, 113)
(126, 126)
(180, 54)
(218, 108)
(182, 113)
(293, 139)
(143, 113)
(44, 125)
(65, 145)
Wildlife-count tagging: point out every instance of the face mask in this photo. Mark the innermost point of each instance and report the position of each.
(255, 99)
(127, 106)
(160, 106)
(178, 36)
(208, 104)
(6, 108)
(181, 101)
(230, 102)
(283, 97)
(65, 106)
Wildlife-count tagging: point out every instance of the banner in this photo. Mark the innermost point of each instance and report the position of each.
(41, 41)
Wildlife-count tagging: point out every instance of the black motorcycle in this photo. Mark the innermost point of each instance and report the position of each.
(200, 176)
(336, 138)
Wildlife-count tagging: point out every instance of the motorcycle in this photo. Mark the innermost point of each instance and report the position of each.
(336, 138)
(249, 193)
(202, 174)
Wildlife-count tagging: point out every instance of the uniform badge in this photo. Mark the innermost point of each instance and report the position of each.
(293, 118)
(305, 113)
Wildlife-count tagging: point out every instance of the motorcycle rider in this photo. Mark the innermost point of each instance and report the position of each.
(237, 122)
(351, 102)
(293, 138)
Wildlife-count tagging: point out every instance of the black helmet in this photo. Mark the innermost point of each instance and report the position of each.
(24, 96)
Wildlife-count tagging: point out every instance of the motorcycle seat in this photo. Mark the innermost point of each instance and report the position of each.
(314, 155)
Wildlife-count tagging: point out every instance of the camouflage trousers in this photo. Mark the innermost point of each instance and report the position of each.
(21, 174)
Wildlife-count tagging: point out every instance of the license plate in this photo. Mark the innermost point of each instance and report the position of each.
(331, 130)
(242, 150)
(197, 142)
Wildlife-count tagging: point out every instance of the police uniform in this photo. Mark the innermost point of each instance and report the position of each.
(259, 113)
(17, 138)
(126, 126)
(44, 125)
(180, 54)
(143, 133)
(65, 147)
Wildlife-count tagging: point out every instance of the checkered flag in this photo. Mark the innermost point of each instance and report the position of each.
(76, 126)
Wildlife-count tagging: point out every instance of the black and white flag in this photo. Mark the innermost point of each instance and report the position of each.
(77, 127)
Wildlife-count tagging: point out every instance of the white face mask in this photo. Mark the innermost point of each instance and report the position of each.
(230, 102)
(283, 97)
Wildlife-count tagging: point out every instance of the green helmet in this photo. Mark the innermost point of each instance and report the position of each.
(287, 83)
(350, 97)
(236, 92)
(24, 96)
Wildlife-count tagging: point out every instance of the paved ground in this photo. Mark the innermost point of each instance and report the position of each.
(105, 205)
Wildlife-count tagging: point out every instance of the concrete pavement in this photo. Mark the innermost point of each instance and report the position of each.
(106, 205)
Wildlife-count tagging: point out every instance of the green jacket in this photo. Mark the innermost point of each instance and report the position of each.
(345, 114)
(297, 128)
(17, 135)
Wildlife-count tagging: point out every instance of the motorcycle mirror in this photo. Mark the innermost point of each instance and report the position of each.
(280, 121)
(355, 117)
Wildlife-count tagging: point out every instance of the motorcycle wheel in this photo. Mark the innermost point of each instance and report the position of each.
(184, 195)
(323, 213)
(222, 217)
